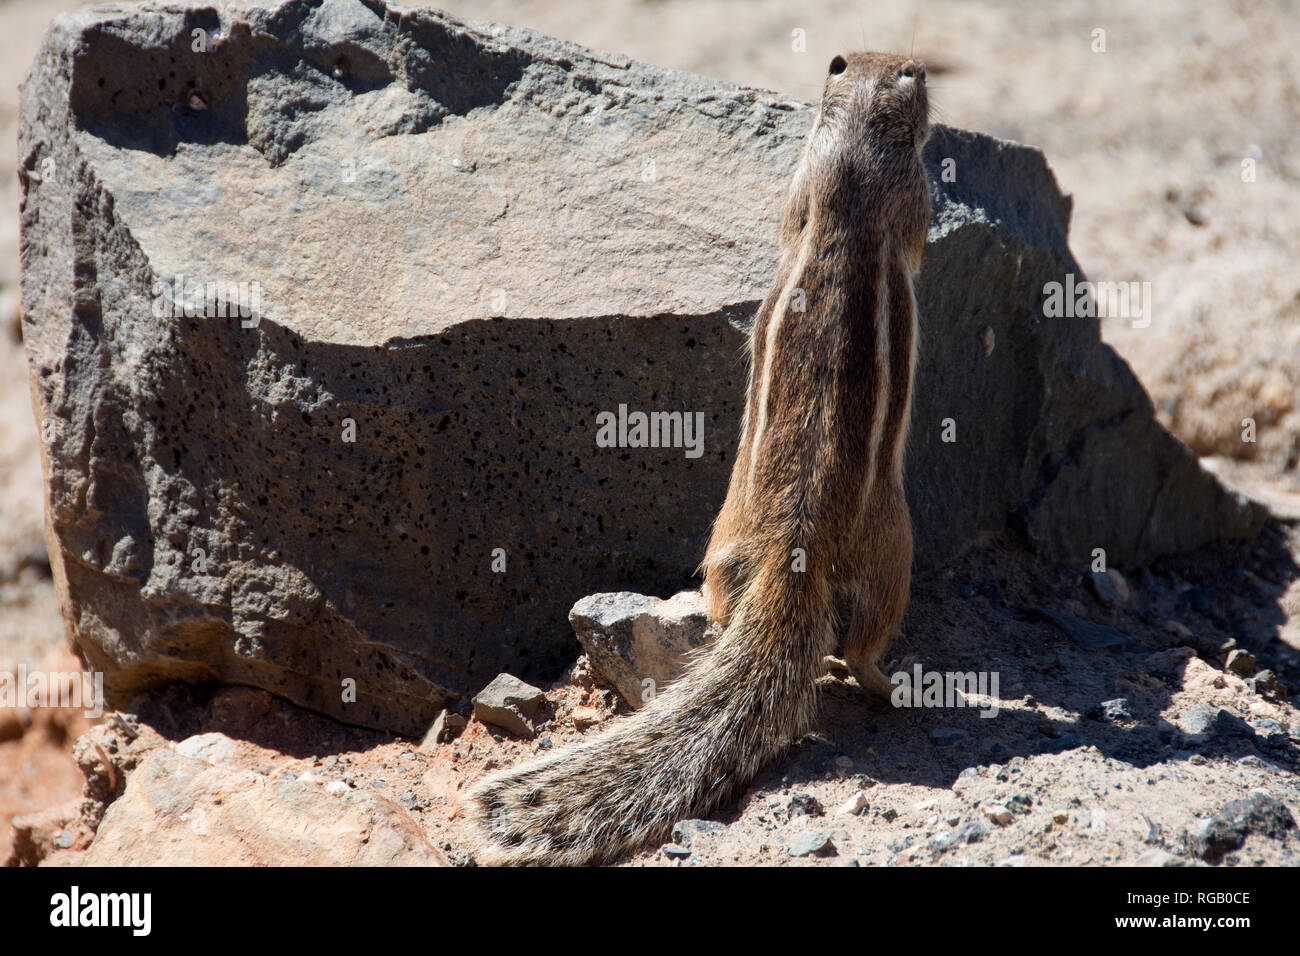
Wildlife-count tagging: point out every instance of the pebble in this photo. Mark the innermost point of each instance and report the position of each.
(337, 788)
(1114, 711)
(1266, 727)
(1202, 720)
(1157, 857)
(998, 814)
(511, 704)
(810, 842)
(675, 850)
(972, 832)
(1266, 684)
(946, 736)
(853, 805)
(942, 841)
(804, 803)
(446, 727)
(965, 779)
(1240, 662)
(684, 831)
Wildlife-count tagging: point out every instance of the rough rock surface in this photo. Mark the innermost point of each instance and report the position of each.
(461, 244)
(181, 811)
(631, 638)
(510, 703)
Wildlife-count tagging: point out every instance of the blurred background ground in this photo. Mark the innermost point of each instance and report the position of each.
(1149, 136)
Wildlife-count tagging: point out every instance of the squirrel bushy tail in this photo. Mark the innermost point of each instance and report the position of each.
(689, 750)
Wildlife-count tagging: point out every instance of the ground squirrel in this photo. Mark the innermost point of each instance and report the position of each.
(814, 518)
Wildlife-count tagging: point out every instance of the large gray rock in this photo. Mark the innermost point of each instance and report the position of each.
(465, 243)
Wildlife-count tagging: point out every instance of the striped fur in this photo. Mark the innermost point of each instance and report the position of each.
(814, 517)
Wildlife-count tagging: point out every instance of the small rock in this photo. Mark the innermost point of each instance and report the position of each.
(1015, 859)
(1157, 857)
(998, 814)
(972, 832)
(1240, 662)
(1168, 661)
(684, 831)
(811, 842)
(853, 805)
(942, 841)
(511, 704)
(1060, 815)
(966, 779)
(1115, 711)
(676, 850)
(952, 819)
(586, 716)
(337, 788)
(1259, 763)
(804, 804)
(1267, 727)
(445, 728)
(1260, 814)
(1266, 684)
(946, 736)
(1203, 721)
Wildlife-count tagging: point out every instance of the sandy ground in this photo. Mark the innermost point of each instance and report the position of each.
(1093, 758)
(1150, 137)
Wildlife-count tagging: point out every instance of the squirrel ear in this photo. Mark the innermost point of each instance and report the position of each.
(838, 65)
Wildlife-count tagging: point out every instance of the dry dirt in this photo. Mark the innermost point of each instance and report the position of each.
(1150, 137)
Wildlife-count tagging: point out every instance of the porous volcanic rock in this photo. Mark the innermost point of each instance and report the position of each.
(456, 245)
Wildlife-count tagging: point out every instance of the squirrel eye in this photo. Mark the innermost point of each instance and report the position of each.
(838, 66)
